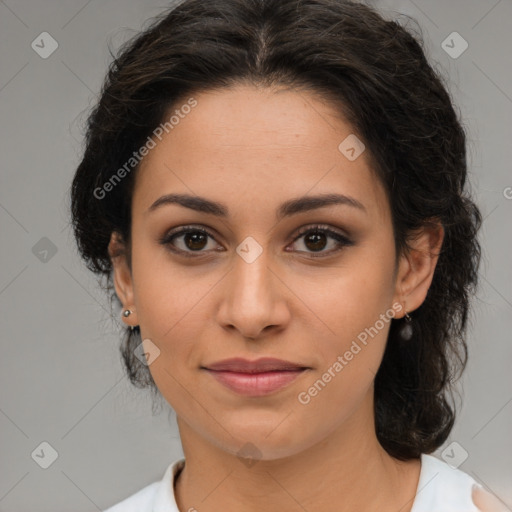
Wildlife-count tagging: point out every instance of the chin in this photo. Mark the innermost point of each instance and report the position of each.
(265, 443)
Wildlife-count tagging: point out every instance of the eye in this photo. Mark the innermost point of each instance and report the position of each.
(194, 239)
(316, 239)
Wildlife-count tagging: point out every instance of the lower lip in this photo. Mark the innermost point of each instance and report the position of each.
(255, 384)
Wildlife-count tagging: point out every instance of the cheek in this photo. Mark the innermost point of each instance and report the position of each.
(165, 293)
(352, 315)
(346, 299)
(348, 361)
(174, 313)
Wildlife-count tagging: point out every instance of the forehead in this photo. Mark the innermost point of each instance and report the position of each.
(257, 144)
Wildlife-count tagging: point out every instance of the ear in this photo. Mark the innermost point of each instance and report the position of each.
(417, 265)
(122, 277)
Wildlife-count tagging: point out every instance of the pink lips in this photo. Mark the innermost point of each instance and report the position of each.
(255, 378)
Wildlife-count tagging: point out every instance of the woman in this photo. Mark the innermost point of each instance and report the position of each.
(276, 190)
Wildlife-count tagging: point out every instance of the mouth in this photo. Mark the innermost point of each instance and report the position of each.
(255, 378)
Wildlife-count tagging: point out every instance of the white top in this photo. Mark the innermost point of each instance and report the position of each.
(440, 488)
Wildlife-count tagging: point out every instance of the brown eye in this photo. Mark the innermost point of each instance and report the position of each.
(316, 238)
(188, 240)
(195, 240)
(315, 241)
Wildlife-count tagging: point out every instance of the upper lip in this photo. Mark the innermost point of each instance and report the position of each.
(264, 364)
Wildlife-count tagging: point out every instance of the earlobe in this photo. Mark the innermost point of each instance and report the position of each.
(417, 266)
(122, 278)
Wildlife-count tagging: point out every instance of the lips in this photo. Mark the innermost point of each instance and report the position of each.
(255, 378)
(264, 364)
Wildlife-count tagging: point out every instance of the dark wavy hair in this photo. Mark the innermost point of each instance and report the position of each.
(375, 71)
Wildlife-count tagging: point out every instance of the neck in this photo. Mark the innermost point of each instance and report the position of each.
(346, 470)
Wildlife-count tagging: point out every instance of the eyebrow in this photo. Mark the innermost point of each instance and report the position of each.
(287, 209)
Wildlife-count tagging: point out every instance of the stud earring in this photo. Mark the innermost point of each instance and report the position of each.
(126, 314)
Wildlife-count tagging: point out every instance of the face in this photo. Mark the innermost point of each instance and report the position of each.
(311, 283)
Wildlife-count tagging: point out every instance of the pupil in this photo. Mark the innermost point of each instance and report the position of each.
(318, 241)
(195, 238)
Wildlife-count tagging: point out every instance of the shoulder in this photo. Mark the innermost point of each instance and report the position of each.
(487, 502)
(157, 495)
(141, 501)
(445, 488)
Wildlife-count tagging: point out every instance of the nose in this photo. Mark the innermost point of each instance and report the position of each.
(253, 298)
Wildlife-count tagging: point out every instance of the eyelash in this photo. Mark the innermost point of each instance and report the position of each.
(342, 240)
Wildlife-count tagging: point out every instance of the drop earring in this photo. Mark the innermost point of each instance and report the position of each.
(405, 331)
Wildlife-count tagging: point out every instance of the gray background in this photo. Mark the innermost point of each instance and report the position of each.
(61, 376)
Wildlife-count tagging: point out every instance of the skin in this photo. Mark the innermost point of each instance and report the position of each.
(487, 502)
(252, 149)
